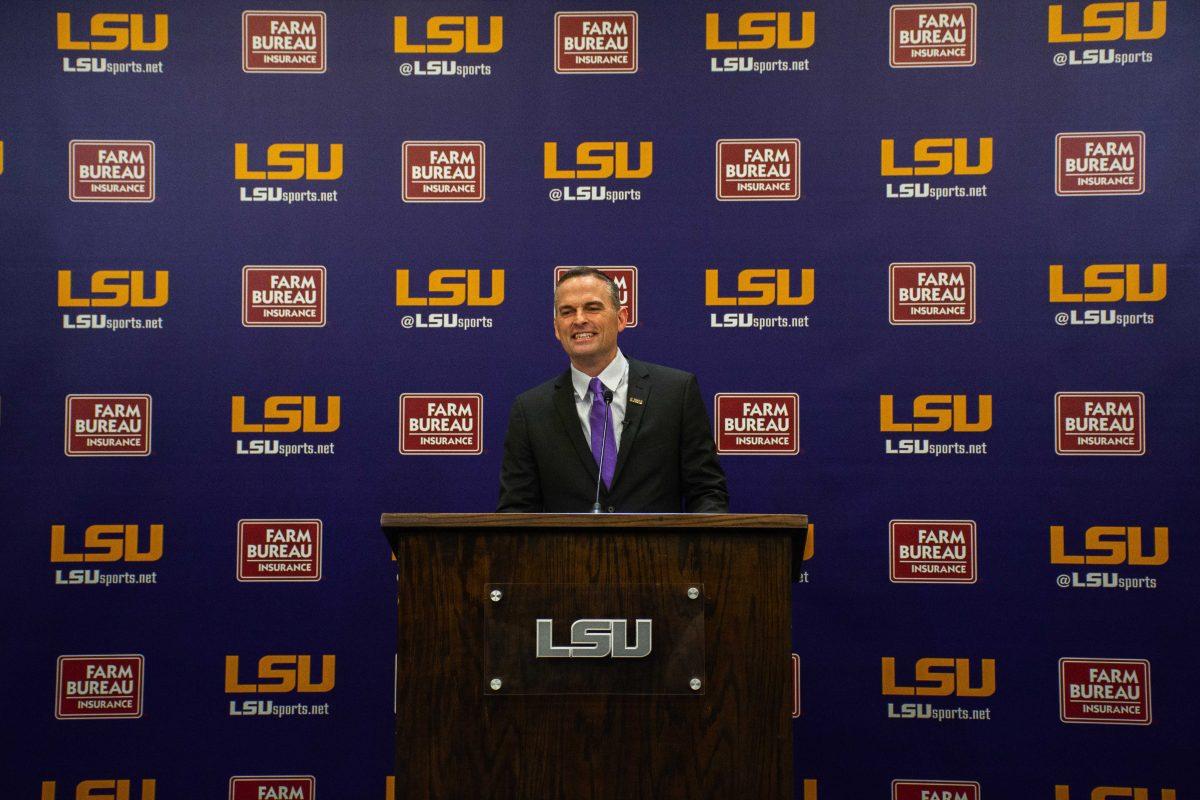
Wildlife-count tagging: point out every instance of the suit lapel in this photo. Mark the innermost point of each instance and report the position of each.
(564, 403)
(639, 390)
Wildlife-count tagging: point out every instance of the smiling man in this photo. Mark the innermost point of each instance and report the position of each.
(646, 424)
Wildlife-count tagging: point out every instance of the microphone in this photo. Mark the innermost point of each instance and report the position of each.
(603, 450)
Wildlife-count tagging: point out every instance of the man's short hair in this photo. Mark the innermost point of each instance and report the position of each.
(590, 272)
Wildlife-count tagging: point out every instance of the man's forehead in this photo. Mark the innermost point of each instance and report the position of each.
(582, 289)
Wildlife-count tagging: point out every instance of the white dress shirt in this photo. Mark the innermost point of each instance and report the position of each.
(615, 378)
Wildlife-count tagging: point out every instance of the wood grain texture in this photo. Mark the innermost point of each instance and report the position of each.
(416, 522)
(456, 739)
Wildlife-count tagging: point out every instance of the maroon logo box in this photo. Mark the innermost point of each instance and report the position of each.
(933, 35)
(111, 171)
(99, 687)
(444, 172)
(283, 41)
(279, 550)
(107, 425)
(756, 424)
(441, 424)
(626, 279)
(604, 42)
(758, 169)
(933, 293)
(933, 551)
(292, 787)
(1100, 423)
(1104, 691)
(283, 297)
(1100, 163)
(935, 790)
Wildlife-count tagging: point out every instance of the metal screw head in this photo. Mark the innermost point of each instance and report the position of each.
(496, 595)
(496, 683)
(695, 684)
(693, 592)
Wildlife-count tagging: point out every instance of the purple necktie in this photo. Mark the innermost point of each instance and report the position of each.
(599, 439)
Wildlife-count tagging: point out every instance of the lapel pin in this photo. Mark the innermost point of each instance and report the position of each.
(637, 400)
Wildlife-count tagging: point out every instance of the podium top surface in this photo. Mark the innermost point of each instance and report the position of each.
(494, 520)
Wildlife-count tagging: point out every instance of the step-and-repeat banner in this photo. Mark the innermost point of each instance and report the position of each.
(271, 271)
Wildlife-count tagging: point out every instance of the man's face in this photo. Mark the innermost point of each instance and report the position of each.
(585, 322)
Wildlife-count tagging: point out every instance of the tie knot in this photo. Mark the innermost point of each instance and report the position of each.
(597, 389)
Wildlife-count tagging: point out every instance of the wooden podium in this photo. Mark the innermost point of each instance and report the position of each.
(594, 655)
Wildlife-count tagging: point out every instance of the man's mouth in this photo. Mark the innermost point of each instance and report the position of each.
(583, 336)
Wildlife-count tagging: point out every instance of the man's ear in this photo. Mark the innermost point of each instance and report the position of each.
(622, 318)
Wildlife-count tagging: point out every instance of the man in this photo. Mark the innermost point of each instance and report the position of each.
(657, 451)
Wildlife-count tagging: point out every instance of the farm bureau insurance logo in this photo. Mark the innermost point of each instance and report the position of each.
(1106, 283)
(110, 33)
(756, 289)
(597, 161)
(272, 787)
(446, 35)
(107, 425)
(441, 424)
(758, 169)
(935, 413)
(1104, 691)
(113, 289)
(446, 288)
(1100, 423)
(288, 414)
(111, 171)
(933, 35)
(626, 279)
(599, 42)
(444, 172)
(283, 41)
(939, 678)
(99, 687)
(1110, 546)
(758, 31)
(1117, 22)
(283, 297)
(756, 424)
(935, 790)
(942, 158)
(1100, 163)
(287, 162)
(102, 546)
(277, 674)
(932, 551)
(931, 293)
(279, 550)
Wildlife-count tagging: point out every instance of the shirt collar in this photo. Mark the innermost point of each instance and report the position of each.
(612, 376)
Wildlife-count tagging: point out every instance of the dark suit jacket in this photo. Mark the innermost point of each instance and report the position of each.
(667, 461)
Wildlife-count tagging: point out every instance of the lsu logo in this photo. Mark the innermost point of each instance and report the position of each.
(1100, 423)
(106, 544)
(937, 156)
(1110, 283)
(934, 790)
(1100, 163)
(445, 34)
(290, 161)
(1110, 544)
(1104, 691)
(626, 279)
(1, 158)
(758, 169)
(283, 297)
(941, 677)
(762, 30)
(279, 550)
(104, 789)
(289, 414)
(443, 172)
(1063, 792)
(115, 288)
(280, 674)
(283, 41)
(441, 424)
(756, 424)
(760, 287)
(599, 160)
(107, 425)
(937, 413)
(941, 35)
(452, 287)
(111, 171)
(1109, 22)
(273, 787)
(110, 32)
(99, 687)
(603, 42)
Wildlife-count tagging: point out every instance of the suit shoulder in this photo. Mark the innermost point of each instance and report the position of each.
(667, 375)
(541, 393)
